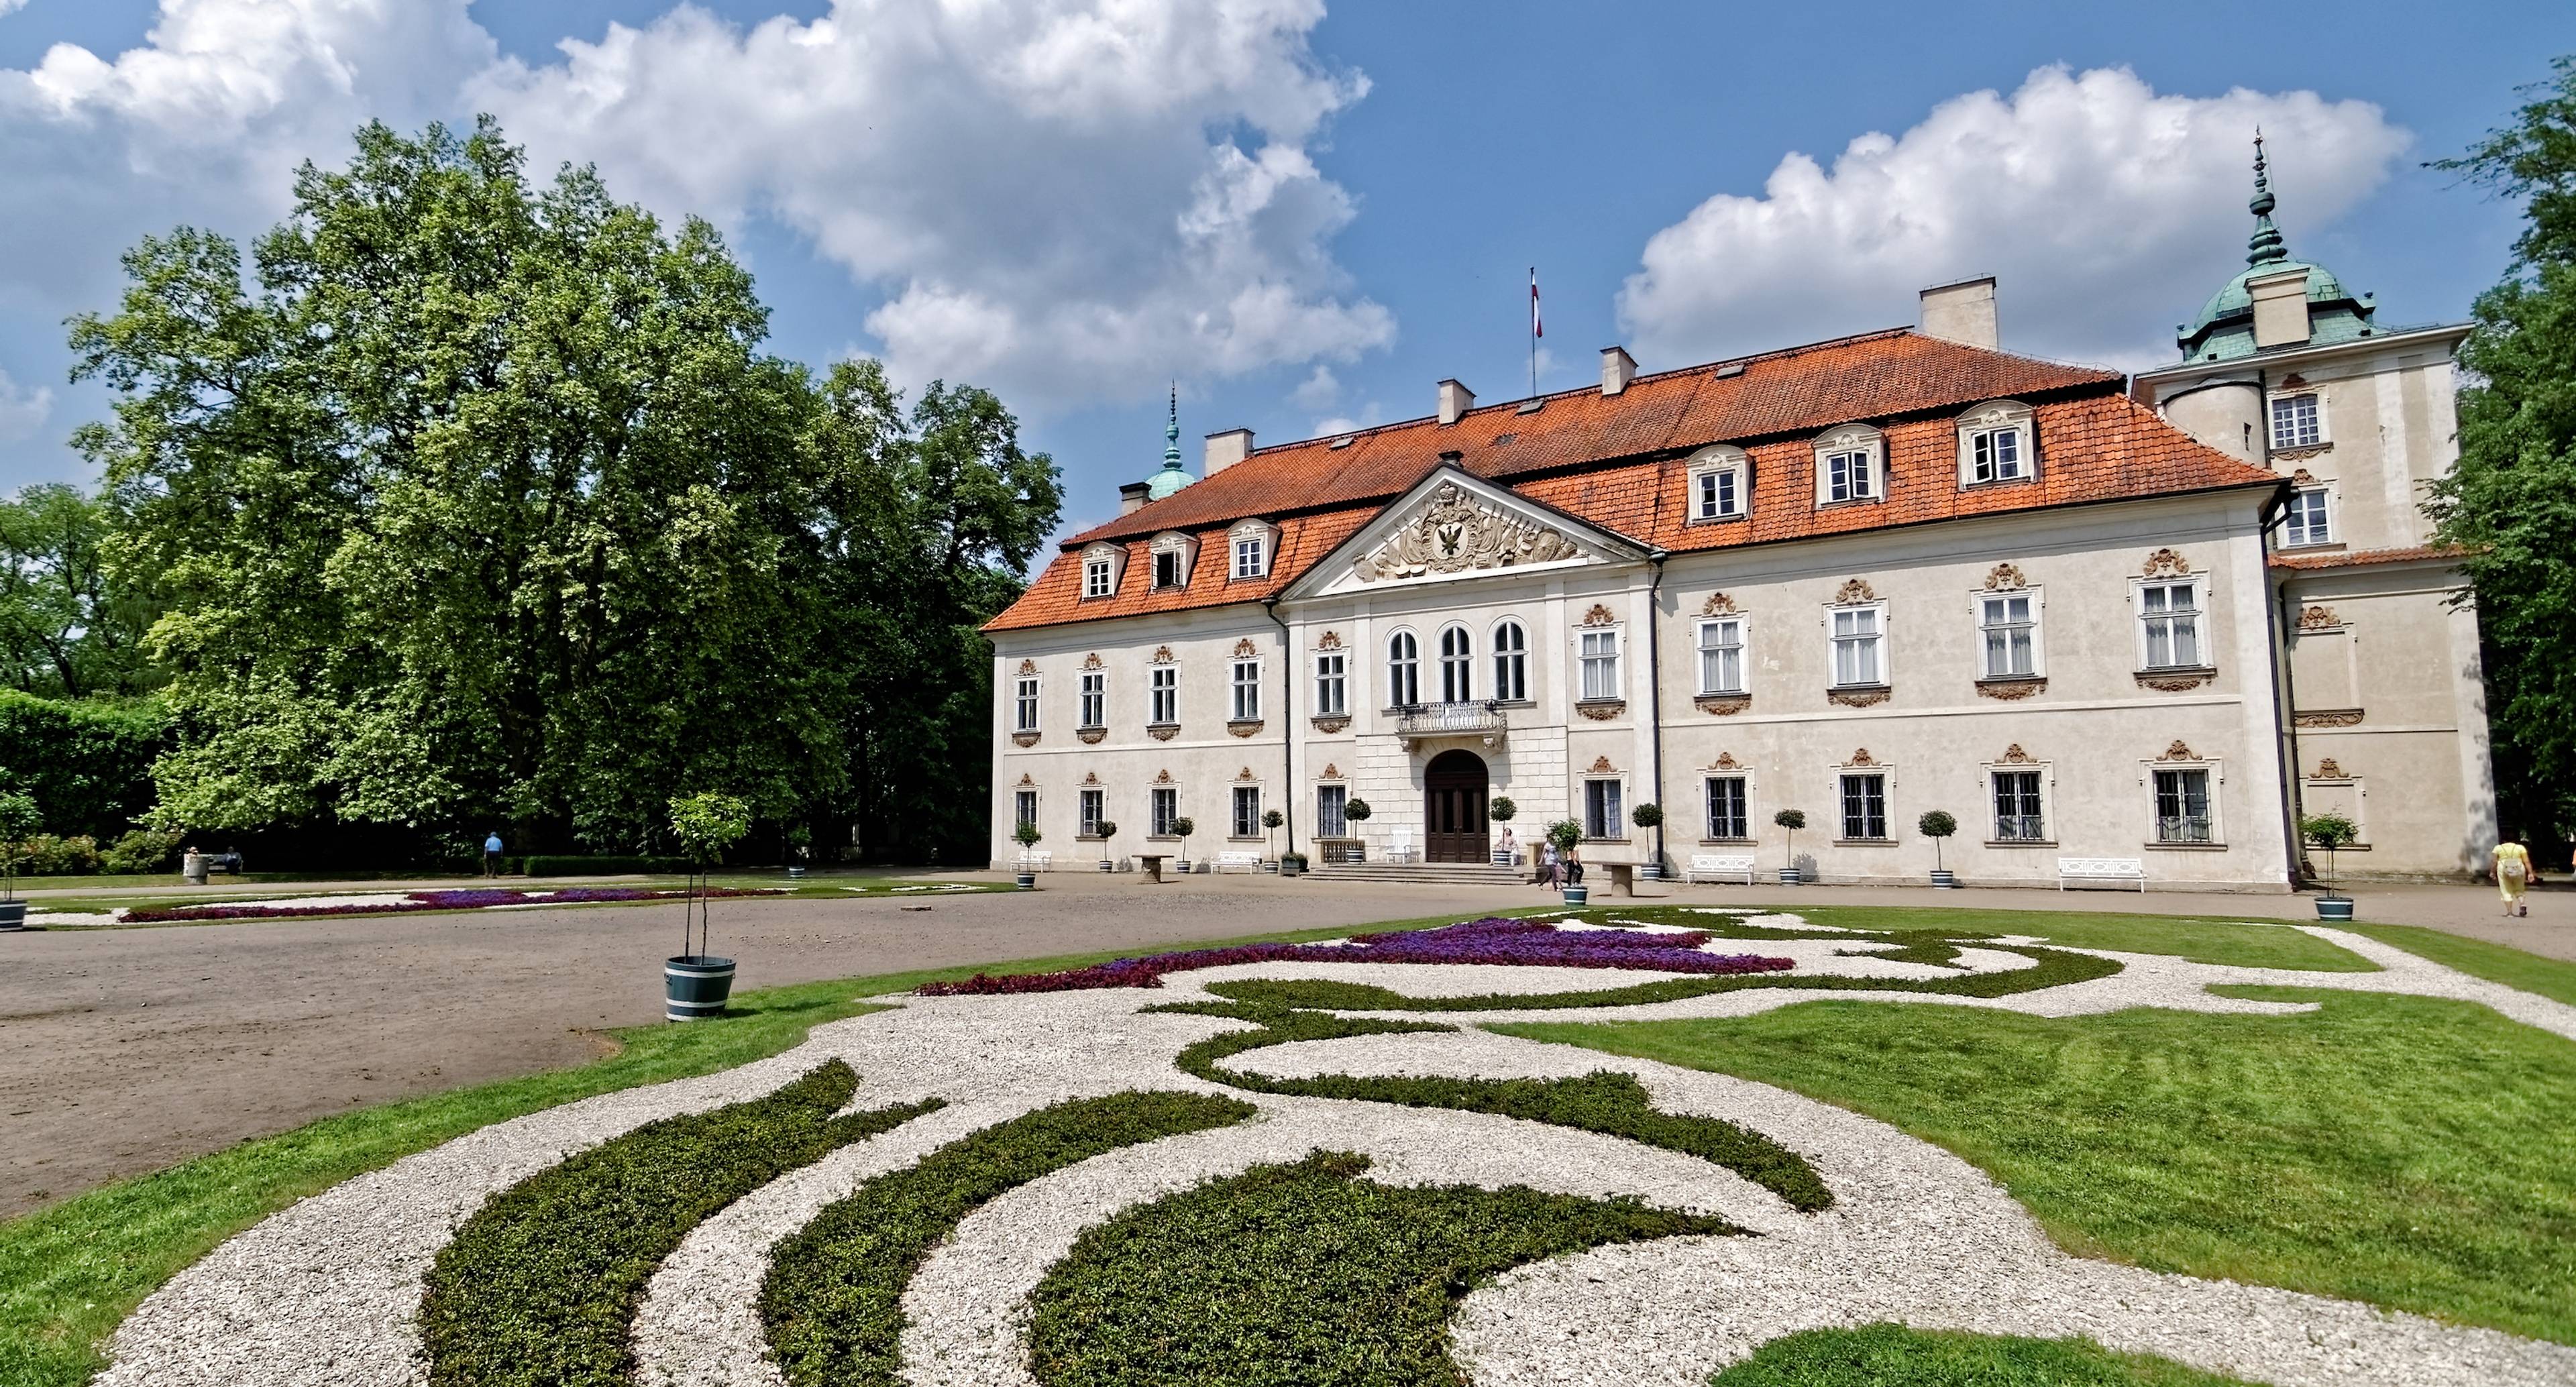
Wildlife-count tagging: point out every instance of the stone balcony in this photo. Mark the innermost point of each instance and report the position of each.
(1419, 722)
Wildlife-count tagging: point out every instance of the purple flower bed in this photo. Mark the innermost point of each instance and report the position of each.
(1490, 940)
(477, 898)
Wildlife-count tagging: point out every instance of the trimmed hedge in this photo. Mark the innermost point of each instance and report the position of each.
(1606, 1101)
(1303, 1274)
(88, 764)
(571, 866)
(833, 1300)
(542, 1283)
(1891, 1355)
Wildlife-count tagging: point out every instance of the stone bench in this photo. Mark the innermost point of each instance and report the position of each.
(1719, 865)
(2119, 871)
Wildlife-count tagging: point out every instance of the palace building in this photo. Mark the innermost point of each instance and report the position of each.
(2086, 614)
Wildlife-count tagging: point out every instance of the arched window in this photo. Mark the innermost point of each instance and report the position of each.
(1403, 670)
(1511, 663)
(1457, 665)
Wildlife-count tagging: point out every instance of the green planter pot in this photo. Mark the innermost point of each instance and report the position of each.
(13, 916)
(2334, 907)
(1291, 867)
(695, 986)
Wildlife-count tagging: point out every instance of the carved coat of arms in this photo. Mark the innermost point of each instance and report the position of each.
(1454, 533)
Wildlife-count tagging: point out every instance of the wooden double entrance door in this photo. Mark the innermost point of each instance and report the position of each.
(1453, 808)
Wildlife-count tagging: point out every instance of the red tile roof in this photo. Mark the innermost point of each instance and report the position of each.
(2358, 557)
(1616, 462)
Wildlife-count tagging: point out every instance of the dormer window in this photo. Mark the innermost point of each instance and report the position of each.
(1101, 565)
(1995, 444)
(1850, 465)
(1173, 554)
(1250, 544)
(1718, 478)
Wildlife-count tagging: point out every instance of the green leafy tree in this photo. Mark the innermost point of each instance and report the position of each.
(19, 821)
(2331, 832)
(1936, 824)
(70, 627)
(1792, 820)
(705, 824)
(2511, 501)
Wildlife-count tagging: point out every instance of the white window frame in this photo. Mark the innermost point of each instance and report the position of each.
(2154, 804)
(1979, 430)
(1162, 811)
(1095, 698)
(1244, 681)
(1184, 553)
(1251, 557)
(1511, 660)
(1244, 828)
(1099, 579)
(1403, 668)
(1865, 484)
(1843, 776)
(2306, 537)
(1742, 648)
(1457, 664)
(1719, 478)
(1090, 807)
(1617, 827)
(1332, 684)
(1024, 703)
(1163, 696)
(2199, 612)
(1024, 806)
(2038, 646)
(2272, 407)
(1708, 806)
(1604, 661)
(1834, 640)
(1329, 803)
(2040, 773)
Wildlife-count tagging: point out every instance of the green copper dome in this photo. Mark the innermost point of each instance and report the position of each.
(2224, 330)
(1171, 478)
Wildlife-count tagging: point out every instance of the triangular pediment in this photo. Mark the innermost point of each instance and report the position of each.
(1453, 526)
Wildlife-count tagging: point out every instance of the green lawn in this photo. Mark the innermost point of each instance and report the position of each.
(1888, 1355)
(2199, 939)
(2407, 1151)
(839, 886)
(2549, 977)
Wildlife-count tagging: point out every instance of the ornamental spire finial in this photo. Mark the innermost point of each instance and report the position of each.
(2265, 246)
(1172, 431)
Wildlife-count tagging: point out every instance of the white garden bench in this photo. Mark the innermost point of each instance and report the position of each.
(1238, 862)
(1041, 860)
(1709, 864)
(2119, 871)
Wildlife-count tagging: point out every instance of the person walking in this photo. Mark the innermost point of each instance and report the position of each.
(1546, 864)
(492, 854)
(1573, 867)
(2513, 875)
(1511, 854)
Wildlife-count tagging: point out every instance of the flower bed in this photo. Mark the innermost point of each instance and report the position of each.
(1489, 940)
(483, 898)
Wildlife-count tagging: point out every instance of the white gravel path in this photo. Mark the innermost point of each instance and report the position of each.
(325, 1292)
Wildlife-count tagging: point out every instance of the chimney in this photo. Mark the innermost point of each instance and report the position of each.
(2280, 308)
(1130, 497)
(1455, 400)
(1963, 312)
(1226, 449)
(1617, 369)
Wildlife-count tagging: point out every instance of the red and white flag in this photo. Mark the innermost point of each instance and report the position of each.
(1535, 329)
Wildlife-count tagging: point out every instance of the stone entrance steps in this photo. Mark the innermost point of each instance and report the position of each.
(1427, 873)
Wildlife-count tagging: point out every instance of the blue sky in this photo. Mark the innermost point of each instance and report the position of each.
(1307, 216)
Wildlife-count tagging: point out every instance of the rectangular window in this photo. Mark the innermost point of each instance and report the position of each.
(1600, 664)
(1849, 476)
(1095, 699)
(1247, 811)
(1247, 691)
(1717, 494)
(1096, 581)
(1332, 685)
(1024, 704)
(1857, 657)
(1995, 455)
(1091, 800)
(2182, 806)
(1721, 656)
(2017, 818)
(2306, 521)
(2006, 632)
(1024, 807)
(1167, 569)
(2171, 616)
(1164, 803)
(1329, 822)
(2294, 422)
(1250, 559)
(1726, 807)
(1602, 817)
(1865, 805)
(1166, 696)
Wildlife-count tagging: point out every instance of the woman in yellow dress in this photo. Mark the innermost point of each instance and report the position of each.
(2512, 874)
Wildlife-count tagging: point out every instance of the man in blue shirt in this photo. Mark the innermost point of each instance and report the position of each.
(492, 854)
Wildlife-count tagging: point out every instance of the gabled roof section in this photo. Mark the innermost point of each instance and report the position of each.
(1452, 525)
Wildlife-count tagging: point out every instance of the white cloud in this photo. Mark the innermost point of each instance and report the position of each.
(1068, 199)
(8, 5)
(23, 409)
(2108, 213)
(1319, 390)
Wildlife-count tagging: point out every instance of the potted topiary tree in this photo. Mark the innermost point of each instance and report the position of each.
(1184, 827)
(1025, 833)
(1565, 833)
(1107, 829)
(2330, 832)
(1357, 811)
(1649, 816)
(696, 982)
(1271, 819)
(18, 822)
(800, 850)
(1501, 811)
(1936, 826)
(1792, 820)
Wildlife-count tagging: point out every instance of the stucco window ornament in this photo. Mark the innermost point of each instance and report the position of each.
(1722, 705)
(1719, 604)
(1602, 709)
(1456, 533)
(1601, 766)
(1244, 648)
(1246, 774)
(1332, 724)
(1854, 590)
(1028, 667)
(1163, 655)
(2011, 689)
(1028, 782)
(2004, 577)
(1245, 727)
(2183, 682)
(1331, 641)
(1024, 739)
(2179, 751)
(1331, 772)
(1091, 735)
(1856, 698)
(1726, 762)
(1599, 616)
(1093, 661)
(1162, 777)
(1091, 777)
(1860, 757)
(2328, 770)
(2319, 619)
(2015, 756)
(2327, 717)
(2165, 563)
